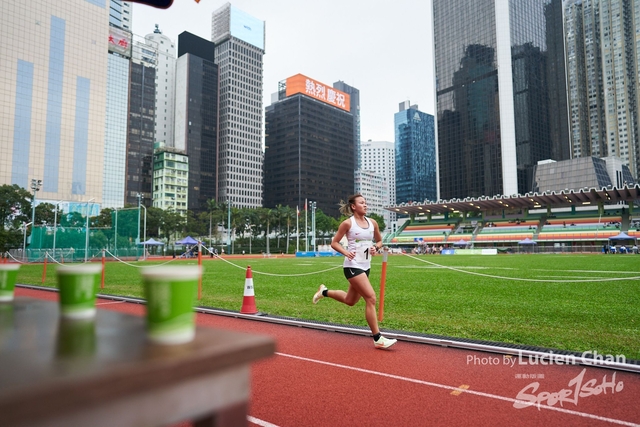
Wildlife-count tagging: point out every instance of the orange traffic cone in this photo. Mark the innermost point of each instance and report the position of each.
(249, 300)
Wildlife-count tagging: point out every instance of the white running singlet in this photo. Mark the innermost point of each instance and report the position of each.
(359, 240)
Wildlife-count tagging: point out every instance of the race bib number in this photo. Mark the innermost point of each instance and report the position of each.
(362, 250)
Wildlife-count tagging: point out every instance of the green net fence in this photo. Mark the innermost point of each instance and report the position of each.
(70, 241)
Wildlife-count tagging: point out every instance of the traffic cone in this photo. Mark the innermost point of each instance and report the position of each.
(249, 300)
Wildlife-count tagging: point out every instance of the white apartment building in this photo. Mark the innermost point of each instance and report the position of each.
(379, 157)
(374, 189)
(239, 40)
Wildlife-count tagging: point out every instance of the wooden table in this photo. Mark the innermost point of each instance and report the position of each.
(104, 372)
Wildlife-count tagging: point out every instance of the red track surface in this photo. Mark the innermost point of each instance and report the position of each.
(331, 379)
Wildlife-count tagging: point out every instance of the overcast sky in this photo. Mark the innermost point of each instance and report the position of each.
(381, 47)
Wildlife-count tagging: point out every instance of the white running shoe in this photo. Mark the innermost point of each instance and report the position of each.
(318, 295)
(383, 342)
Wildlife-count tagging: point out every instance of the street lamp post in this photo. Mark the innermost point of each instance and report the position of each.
(115, 235)
(86, 242)
(24, 241)
(139, 201)
(55, 227)
(313, 225)
(144, 242)
(35, 186)
(250, 233)
(228, 225)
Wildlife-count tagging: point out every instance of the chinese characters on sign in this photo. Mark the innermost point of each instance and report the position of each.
(317, 90)
(120, 41)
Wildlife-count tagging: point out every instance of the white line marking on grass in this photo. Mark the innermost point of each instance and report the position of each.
(452, 388)
(462, 268)
(111, 302)
(570, 277)
(524, 279)
(587, 271)
(259, 422)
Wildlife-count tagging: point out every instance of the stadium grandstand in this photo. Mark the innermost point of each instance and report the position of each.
(582, 220)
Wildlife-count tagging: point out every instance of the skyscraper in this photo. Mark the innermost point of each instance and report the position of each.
(120, 14)
(239, 40)
(141, 126)
(602, 72)
(116, 117)
(197, 117)
(165, 86)
(309, 141)
(497, 63)
(52, 97)
(415, 155)
(354, 95)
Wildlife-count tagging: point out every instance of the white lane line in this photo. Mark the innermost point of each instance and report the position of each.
(447, 387)
(259, 422)
(110, 302)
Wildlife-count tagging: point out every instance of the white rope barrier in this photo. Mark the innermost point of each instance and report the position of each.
(137, 266)
(278, 275)
(522, 279)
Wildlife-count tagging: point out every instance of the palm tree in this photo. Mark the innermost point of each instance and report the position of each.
(288, 214)
(266, 216)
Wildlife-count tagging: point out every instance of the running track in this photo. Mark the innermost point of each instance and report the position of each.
(322, 378)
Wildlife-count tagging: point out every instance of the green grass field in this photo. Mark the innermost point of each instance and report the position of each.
(567, 302)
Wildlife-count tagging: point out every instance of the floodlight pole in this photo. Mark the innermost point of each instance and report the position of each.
(24, 241)
(55, 227)
(86, 243)
(35, 186)
(313, 225)
(115, 235)
(144, 242)
(228, 225)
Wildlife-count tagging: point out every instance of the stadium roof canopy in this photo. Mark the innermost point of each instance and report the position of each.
(583, 197)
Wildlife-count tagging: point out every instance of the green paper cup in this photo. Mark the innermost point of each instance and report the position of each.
(8, 276)
(170, 294)
(78, 286)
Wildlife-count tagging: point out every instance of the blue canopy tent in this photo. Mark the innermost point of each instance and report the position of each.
(187, 241)
(621, 238)
(151, 242)
(527, 243)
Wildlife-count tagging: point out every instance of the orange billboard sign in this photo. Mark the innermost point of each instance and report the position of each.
(320, 91)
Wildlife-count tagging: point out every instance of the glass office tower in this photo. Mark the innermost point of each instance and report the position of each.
(499, 68)
(53, 69)
(196, 128)
(415, 154)
(354, 94)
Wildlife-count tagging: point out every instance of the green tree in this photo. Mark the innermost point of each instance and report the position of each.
(104, 219)
(171, 225)
(154, 220)
(73, 219)
(45, 214)
(192, 226)
(15, 210)
(380, 220)
(266, 218)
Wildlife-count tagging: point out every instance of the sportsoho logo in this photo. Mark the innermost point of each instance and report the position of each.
(577, 388)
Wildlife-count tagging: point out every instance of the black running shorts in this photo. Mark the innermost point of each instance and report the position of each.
(350, 272)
